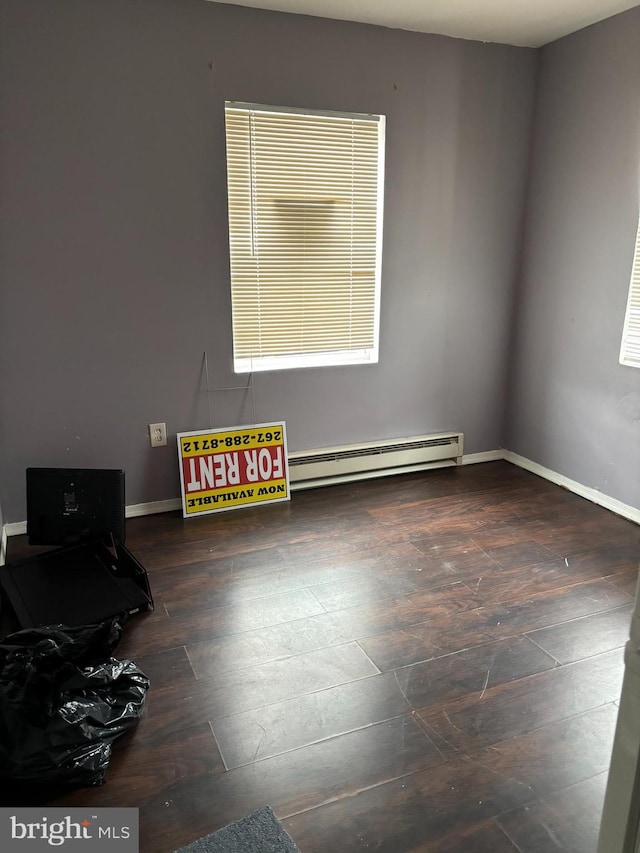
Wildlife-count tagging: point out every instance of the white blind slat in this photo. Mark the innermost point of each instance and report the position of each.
(630, 348)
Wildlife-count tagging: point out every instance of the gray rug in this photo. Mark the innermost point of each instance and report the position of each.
(260, 832)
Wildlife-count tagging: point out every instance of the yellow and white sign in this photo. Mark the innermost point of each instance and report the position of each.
(223, 469)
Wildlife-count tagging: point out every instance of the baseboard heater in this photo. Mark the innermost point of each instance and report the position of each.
(310, 468)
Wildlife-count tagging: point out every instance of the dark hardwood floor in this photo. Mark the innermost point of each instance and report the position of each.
(429, 662)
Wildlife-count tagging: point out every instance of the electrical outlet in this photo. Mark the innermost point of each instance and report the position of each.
(158, 435)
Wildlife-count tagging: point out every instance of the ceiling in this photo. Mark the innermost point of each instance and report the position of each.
(529, 23)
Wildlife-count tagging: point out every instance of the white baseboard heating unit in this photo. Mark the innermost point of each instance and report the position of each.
(310, 468)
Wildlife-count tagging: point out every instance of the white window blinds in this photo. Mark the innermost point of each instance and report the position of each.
(630, 349)
(305, 229)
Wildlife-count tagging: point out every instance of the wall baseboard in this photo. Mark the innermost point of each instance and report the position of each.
(485, 456)
(625, 510)
(134, 510)
(18, 528)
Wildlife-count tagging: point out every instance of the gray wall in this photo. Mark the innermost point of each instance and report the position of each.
(573, 408)
(114, 238)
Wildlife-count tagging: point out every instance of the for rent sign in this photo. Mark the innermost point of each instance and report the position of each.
(227, 468)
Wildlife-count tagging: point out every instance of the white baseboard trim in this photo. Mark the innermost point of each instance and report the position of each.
(485, 456)
(152, 508)
(591, 494)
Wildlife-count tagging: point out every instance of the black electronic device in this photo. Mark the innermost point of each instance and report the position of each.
(66, 506)
(92, 576)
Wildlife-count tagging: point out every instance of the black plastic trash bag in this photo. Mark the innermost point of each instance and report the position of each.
(63, 701)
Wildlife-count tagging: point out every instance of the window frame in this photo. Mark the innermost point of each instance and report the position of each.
(351, 355)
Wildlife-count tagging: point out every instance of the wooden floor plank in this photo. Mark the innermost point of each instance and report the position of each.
(626, 580)
(262, 645)
(484, 837)
(527, 704)
(471, 671)
(404, 814)
(569, 821)
(557, 755)
(513, 584)
(276, 681)
(249, 736)
(590, 635)
(443, 635)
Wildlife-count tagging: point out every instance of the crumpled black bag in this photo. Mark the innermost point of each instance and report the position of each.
(63, 701)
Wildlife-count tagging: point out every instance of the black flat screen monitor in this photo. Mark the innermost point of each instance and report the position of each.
(66, 506)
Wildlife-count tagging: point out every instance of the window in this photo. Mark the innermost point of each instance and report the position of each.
(305, 235)
(630, 349)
